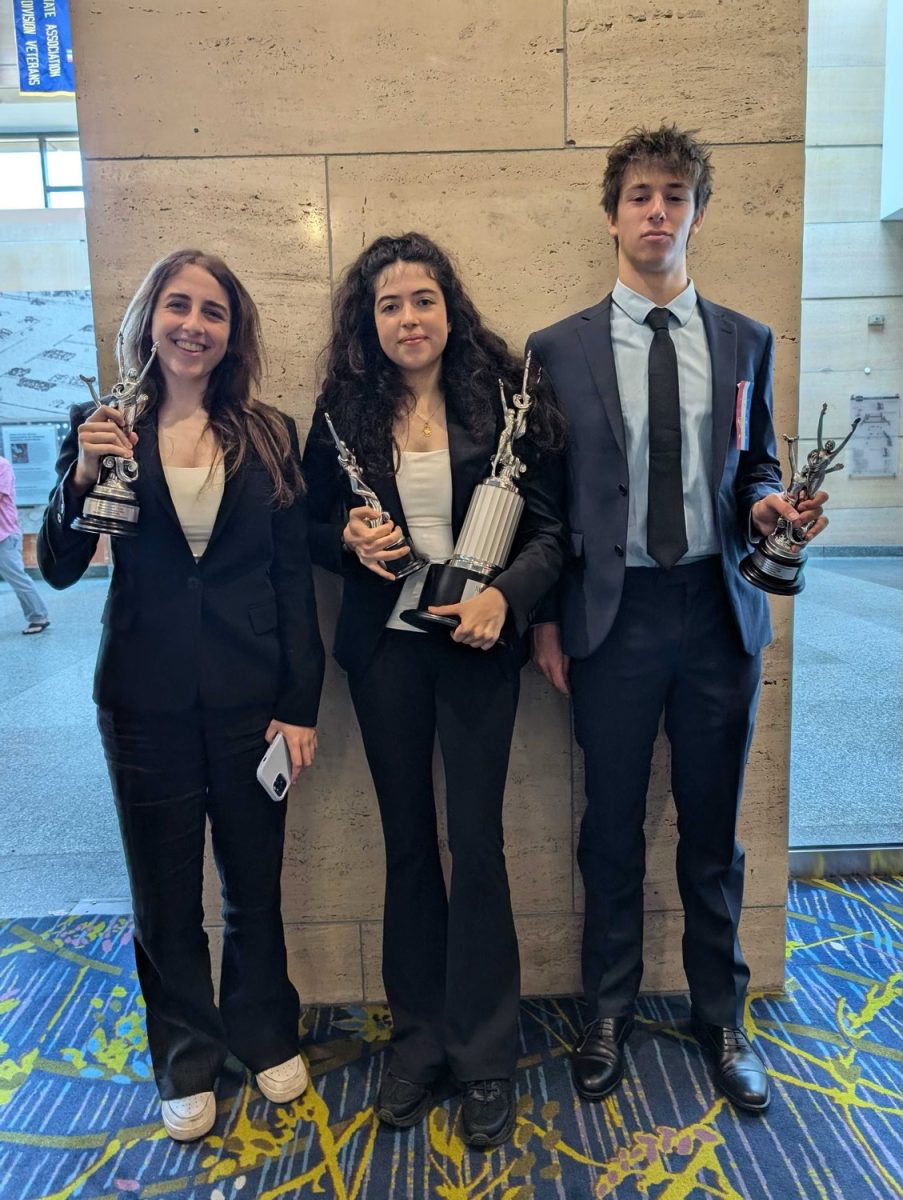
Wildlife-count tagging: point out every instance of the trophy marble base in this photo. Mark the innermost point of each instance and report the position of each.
(444, 584)
(774, 571)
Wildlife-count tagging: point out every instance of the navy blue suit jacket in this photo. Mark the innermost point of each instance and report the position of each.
(577, 357)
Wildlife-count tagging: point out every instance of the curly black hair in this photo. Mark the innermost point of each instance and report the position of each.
(363, 389)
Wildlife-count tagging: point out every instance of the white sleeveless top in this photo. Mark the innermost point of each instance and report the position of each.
(425, 487)
(196, 496)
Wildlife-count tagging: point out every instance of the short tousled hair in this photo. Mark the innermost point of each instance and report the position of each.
(672, 148)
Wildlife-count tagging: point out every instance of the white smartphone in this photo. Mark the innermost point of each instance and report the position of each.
(275, 770)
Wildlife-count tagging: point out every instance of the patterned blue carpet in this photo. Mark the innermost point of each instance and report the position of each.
(79, 1114)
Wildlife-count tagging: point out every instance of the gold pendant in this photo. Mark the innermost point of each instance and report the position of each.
(427, 430)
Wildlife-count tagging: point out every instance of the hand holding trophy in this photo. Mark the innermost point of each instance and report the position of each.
(399, 567)
(482, 549)
(112, 506)
(776, 564)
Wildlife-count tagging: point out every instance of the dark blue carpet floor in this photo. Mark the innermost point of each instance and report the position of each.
(79, 1113)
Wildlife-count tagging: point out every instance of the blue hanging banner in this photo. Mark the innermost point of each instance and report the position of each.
(44, 46)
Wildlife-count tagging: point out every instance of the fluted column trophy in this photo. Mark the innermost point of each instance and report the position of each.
(776, 564)
(399, 567)
(111, 506)
(482, 549)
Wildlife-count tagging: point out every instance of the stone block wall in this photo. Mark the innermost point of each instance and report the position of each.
(285, 138)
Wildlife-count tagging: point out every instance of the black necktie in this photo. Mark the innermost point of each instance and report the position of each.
(666, 527)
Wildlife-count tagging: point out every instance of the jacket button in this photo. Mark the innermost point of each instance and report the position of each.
(193, 583)
(622, 488)
(619, 550)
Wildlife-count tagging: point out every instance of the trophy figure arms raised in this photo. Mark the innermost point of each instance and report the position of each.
(399, 567)
(776, 564)
(112, 506)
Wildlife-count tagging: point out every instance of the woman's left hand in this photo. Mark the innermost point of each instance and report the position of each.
(481, 617)
(301, 741)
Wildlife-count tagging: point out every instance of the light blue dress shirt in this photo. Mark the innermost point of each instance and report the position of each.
(631, 338)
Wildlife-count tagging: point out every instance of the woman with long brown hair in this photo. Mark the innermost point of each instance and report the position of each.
(412, 386)
(210, 648)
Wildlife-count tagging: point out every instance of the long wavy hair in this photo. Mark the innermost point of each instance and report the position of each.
(238, 418)
(363, 389)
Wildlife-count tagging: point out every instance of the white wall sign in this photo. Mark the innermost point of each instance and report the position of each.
(874, 448)
(32, 450)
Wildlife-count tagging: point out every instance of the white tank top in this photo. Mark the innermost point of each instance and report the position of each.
(425, 487)
(196, 496)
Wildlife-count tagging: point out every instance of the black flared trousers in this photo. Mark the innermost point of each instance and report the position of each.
(170, 772)
(450, 959)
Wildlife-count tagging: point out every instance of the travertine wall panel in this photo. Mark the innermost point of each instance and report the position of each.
(844, 106)
(530, 236)
(287, 152)
(300, 76)
(852, 262)
(843, 183)
(266, 216)
(847, 35)
(732, 69)
(853, 259)
(835, 335)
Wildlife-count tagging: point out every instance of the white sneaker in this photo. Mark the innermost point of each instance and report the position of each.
(190, 1117)
(285, 1081)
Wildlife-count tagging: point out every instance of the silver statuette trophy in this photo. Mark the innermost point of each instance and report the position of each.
(776, 564)
(482, 549)
(399, 567)
(112, 506)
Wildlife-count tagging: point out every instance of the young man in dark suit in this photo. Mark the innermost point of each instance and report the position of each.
(673, 470)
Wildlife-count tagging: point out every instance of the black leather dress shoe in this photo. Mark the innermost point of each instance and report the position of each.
(739, 1072)
(487, 1114)
(401, 1103)
(598, 1057)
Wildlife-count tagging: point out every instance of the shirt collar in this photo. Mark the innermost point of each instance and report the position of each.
(638, 307)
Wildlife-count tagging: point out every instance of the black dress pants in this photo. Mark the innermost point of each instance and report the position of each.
(450, 961)
(169, 773)
(674, 648)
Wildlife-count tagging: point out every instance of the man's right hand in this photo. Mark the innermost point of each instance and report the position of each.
(100, 435)
(548, 655)
(371, 545)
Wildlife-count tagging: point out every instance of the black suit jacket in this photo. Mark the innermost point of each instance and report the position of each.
(367, 600)
(237, 628)
(578, 359)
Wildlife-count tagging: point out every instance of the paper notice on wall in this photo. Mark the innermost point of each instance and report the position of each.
(32, 450)
(874, 448)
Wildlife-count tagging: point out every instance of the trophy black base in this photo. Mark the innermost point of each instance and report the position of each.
(776, 574)
(108, 525)
(401, 568)
(443, 585)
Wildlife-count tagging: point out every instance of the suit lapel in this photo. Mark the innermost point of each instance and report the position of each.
(595, 337)
(150, 468)
(721, 333)
(469, 465)
(387, 490)
(232, 490)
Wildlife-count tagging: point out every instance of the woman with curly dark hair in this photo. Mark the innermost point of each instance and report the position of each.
(412, 387)
(210, 648)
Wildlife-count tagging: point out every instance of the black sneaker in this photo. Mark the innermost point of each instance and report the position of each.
(487, 1114)
(401, 1103)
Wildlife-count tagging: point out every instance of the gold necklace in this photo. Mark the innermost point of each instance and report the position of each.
(427, 430)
